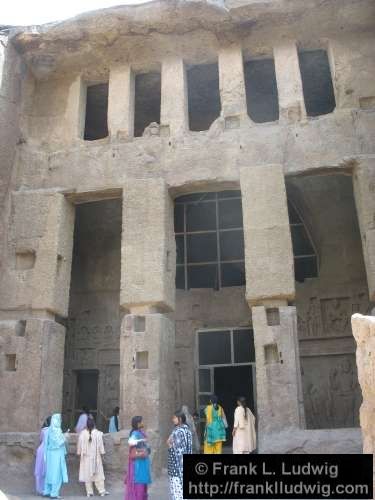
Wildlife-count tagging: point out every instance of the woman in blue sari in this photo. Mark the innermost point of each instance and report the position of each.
(138, 476)
(55, 450)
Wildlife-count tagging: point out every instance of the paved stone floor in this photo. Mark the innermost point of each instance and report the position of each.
(158, 491)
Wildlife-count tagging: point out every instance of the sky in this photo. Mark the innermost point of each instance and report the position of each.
(27, 12)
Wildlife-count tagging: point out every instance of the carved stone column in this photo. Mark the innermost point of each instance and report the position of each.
(147, 291)
(269, 287)
(174, 103)
(121, 101)
(37, 287)
(232, 84)
(364, 194)
(289, 82)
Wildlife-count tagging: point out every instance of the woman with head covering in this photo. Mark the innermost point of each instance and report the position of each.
(90, 448)
(191, 424)
(215, 432)
(179, 444)
(244, 437)
(82, 420)
(138, 476)
(40, 464)
(55, 451)
(113, 421)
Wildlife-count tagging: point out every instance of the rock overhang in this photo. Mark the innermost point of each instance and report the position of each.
(116, 34)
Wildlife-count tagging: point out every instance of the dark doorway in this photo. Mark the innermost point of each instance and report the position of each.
(96, 126)
(231, 382)
(147, 101)
(87, 391)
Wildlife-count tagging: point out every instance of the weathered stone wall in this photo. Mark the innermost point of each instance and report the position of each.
(364, 334)
(53, 164)
(93, 331)
(199, 309)
(324, 304)
(11, 73)
(31, 359)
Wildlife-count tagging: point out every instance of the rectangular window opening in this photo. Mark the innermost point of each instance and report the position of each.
(271, 354)
(203, 96)
(11, 362)
(140, 324)
(273, 316)
(147, 101)
(96, 126)
(141, 360)
(21, 328)
(261, 90)
(316, 82)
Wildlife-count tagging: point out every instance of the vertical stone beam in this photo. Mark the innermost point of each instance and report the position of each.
(269, 286)
(232, 81)
(75, 110)
(174, 103)
(147, 376)
(148, 260)
(121, 102)
(32, 350)
(289, 82)
(364, 194)
(51, 276)
(268, 246)
(364, 333)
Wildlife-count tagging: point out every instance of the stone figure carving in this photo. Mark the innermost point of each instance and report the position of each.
(313, 318)
(336, 316)
(152, 130)
(342, 384)
(313, 406)
(301, 326)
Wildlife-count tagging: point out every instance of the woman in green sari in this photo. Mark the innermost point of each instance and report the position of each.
(215, 432)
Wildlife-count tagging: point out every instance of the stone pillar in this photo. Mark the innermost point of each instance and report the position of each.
(232, 84)
(31, 373)
(121, 102)
(174, 103)
(269, 287)
(36, 286)
(289, 82)
(364, 194)
(148, 261)
(43, 244)
(147, 376)
(364, 334)
(75, 110)
(268, 246)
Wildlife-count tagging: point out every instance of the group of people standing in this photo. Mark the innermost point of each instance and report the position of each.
(50, 463)
(243, 433)
(183, 440)
(50, 466)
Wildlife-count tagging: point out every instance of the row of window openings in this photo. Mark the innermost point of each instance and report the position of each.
(204, 104)
(210, 242)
